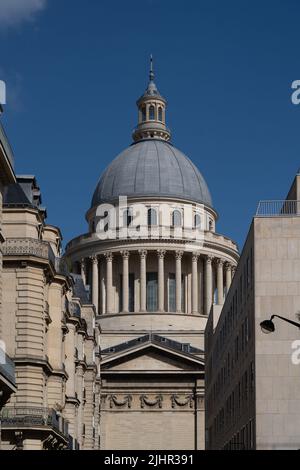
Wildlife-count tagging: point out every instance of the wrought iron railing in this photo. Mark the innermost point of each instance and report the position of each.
(33, 416)
(286, 208)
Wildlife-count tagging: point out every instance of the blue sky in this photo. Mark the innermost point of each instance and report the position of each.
(74, 69)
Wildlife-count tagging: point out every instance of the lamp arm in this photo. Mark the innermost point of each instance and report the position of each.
(287, 320)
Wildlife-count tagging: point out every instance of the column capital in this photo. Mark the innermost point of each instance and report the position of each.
(228, 266)
(179, 254)
(220, 262)
(108, 255)
(195, 257)
(125, 254)
(82, 262)
(143, 253)
(161, 254)
(209, 259)
(94, 259)
(233, 270)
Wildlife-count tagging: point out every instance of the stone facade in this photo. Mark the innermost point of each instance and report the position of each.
(252, 383)
(7, 176)
(153, 265)
(48, 326)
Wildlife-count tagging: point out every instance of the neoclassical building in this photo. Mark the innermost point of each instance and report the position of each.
(154, 265)
(49, 353)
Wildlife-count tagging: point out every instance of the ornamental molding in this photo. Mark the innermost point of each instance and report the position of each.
(143, 253)
(109, 256)
(181, 402)
(179, 255)
(115, 403)
(25, 246)
(146, 401)
(125, 254)
(161, 254)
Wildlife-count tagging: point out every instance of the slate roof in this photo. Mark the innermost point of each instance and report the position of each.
(152, 168)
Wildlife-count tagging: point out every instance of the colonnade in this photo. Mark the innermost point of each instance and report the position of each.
(218, 275)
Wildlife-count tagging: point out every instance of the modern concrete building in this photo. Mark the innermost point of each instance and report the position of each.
(154, 264)
(252, 379)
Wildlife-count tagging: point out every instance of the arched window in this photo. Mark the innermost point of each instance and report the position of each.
(211, 225)
(127, 217)
(152, 113)
(160, 114)
(197, 221)
(176, 218)
(152, 217)
(144, 114)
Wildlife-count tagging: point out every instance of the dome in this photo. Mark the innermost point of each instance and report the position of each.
(152, 168)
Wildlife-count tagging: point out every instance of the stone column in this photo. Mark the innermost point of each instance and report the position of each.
(125, 298)
(95, 283)
(178, 256)
(83, 270)
(233, 270)
(143, 276)
(161, 280)
(195, 257)
(109, 282)
(228, 277)
(220, 281)
(208, 284)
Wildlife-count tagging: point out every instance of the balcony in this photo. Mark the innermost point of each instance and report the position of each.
(33, 417)
(286, 208)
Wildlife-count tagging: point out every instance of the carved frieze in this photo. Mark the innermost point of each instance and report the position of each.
(115, 402)
(178, 401)
(154, 402)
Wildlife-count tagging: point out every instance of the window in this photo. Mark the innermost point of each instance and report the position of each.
(176, 218)
(197, 221)
(152, 284)
(131, 293)
(172, 293)
(151, 113)
(152, 217)
(160, 114)
(144, 114)
(127, 217)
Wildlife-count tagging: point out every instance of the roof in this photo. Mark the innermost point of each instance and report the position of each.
(79, 288)
(152, 168)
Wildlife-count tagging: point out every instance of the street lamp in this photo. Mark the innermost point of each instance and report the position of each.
(268, 326)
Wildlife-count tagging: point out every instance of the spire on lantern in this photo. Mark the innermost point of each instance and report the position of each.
(152, 113)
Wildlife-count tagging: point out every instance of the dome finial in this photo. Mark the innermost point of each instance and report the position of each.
(151, 68)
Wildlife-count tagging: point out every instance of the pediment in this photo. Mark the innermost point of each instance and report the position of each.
(152, 358)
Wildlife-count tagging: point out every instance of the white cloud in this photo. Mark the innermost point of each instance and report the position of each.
(14, 12)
